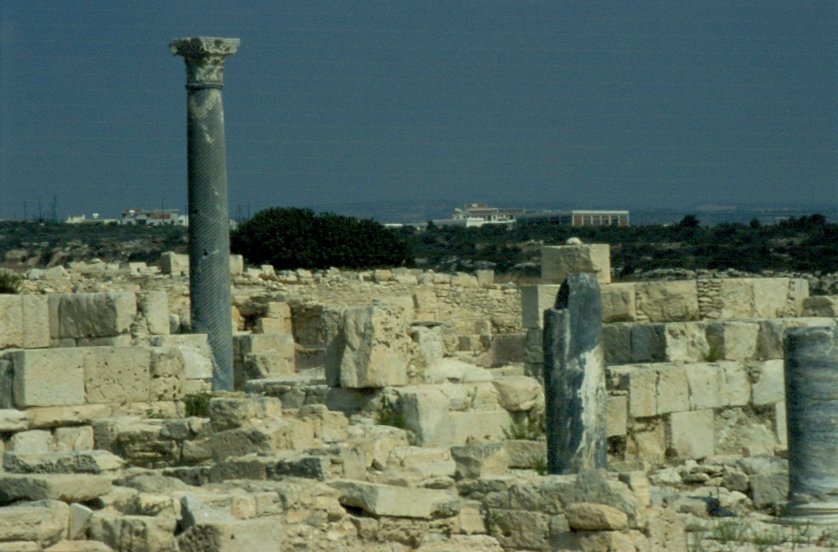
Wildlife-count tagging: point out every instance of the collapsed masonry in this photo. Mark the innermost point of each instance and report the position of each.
(396, 420)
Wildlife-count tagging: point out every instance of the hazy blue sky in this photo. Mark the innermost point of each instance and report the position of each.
(558, 103)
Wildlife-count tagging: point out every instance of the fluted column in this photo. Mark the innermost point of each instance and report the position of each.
(209, 232)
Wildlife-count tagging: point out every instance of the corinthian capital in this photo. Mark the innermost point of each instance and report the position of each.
(204, 57)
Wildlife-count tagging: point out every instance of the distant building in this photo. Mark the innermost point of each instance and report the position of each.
(155, 217)
(94, 219)
(474, 215)
(580, 217)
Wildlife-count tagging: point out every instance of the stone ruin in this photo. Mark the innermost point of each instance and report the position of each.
(390, 410)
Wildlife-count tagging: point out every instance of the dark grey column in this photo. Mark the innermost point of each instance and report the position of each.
(209, 232)
(811, 371)
(574, 378)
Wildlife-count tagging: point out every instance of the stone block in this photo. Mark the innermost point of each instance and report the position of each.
(281, 326)
(33, 441)
(672, 389)
(236, 265)
(821, 305)
(117, 374)
(518, 393)
(667, 301)
(462, 279)
(233, 536)
(616, 340)
(771, 298)
(525, 454)
(485, 277)
(377, 348)
(640, 382)
(735, 389)
(425, 413)
(41, 524)
(486, 425)
(36, 331)
(90, 461)
(392, 501)
(134, 533)
(692, 434)
(648, 343)
(480, 460)
(56, 416)
(154, 306)
(69, 439)
(705, 382)
(616, 411)
(768, 385)
(733, 340)
(736, 298)
(49, 377)
(12, 420)
(11, 321)
(618, 303)
(74, 487)
(798, 292)
(589, 516)
(176, 264)
(7, 381)
(534, 301)
(559, 261)
(232, 412)
(647, 441)
(92, 314)
(686, 342)
(195, 350)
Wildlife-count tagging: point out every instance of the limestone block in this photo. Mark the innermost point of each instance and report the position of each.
(667, 301)
(11, 321)
(647, 441)
(640, 382)
(79, 546)
(270, 436)
(176, 264)
(735, 389)
(462, 279)
(273, 326)
(485, 277)
(73, 438)
(665, 530)
(377, 348)
(771, 298)
(616, 340)
(133, 533)
(705, 382)
(57, 416)
(736, 298)
(534, 301)
(168, 374)
(821, 305)
(12, 420)
(769, 489)
(7, 382)
(485, 425)
(41, 524)
(233, 536)
(117, 374)
(154, 306)
(36, 330)
(740, 432)
(89, 461)
(524, 454)
(525, 530)
(232, 412)
(236, 265)
(518, 393)
(648, 343)
(425, 412)
(692, 434)
(733, 339)
(429, 342)
(618, 303)
(49, 377)
(686, 342)
(616, 411)
(672, 389)
(74, 487)
(781, 425)
(559, 261)
(195, 350)
(389, 500)
(480, 460)
(589, 516)
(768, 382)
(33, 441)
(92, 314)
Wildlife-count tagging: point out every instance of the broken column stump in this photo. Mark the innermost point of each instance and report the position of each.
(574, 378)
(811, 373)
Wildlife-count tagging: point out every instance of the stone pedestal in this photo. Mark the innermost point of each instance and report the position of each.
(811, 367)
(209, 233)
(574, 378)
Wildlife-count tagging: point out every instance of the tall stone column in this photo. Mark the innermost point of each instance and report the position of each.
(574, 378)
(209, 232)
(811, 371)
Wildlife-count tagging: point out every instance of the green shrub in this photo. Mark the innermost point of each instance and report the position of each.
(526, 429)
(290, 238)
(197, 405)
(10, 282)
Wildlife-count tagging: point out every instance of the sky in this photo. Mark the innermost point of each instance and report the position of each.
(556, 104)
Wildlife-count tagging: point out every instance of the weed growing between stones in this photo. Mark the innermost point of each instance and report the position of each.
(10, 282)
(526, 429)
(197, 405)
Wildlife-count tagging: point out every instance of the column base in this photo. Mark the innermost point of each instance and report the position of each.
(811, 513)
